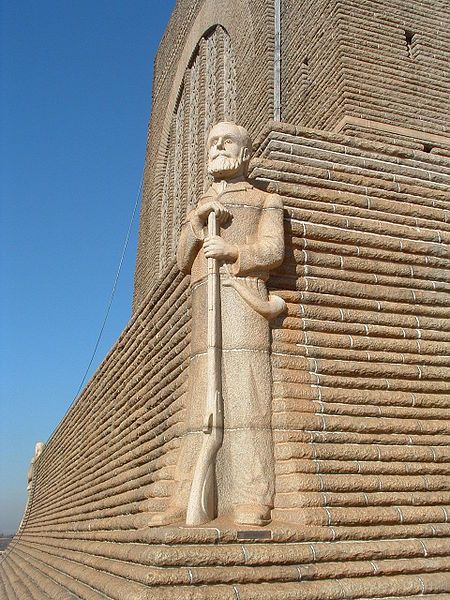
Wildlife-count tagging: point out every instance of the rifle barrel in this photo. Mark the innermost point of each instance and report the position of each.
(202, 505)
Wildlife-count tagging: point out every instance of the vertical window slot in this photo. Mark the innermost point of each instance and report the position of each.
(409, 37)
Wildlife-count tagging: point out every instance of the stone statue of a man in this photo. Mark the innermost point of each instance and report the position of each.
(250, 244)
(38, 450)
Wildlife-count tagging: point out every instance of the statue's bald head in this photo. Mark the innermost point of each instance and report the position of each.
(229, 149)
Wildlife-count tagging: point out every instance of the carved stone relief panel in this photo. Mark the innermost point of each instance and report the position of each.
(178, 169)
(165, 198)
(229, 78)
(207, 95)
(210, 86)
(192, 146)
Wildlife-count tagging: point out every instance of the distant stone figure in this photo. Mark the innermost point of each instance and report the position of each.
(249, 244)
(39, 448)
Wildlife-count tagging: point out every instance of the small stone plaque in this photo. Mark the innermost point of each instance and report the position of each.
(255, 534)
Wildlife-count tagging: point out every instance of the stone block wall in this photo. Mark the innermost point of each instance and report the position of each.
(312, 77)
(386, 61)
(250, 33)
(396, 58)
(361, 372)
(110, 460)
(377, 69)
(361, 362)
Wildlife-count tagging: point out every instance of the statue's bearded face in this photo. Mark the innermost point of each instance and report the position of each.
(227, 152)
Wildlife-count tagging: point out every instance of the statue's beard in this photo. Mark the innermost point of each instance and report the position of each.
(223, 165)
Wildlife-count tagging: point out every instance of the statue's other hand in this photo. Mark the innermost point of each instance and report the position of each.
(216, 247)
(223, 215)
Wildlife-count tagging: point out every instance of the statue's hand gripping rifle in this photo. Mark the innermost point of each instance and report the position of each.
(202, 505)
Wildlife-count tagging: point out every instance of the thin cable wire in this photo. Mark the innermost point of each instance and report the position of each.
(113, 291)
(28, 508)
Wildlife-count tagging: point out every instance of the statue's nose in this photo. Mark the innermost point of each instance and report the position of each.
(220, 143)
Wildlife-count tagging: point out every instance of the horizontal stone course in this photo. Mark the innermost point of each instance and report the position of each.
(360, 390)
(365, 336)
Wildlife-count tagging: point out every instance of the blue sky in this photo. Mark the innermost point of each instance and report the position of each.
(74, 107)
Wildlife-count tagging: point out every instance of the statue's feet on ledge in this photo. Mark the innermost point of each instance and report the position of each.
(173, 514)
(252, 514)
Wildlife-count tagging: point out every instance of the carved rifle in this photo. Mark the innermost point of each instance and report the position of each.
(202, 505)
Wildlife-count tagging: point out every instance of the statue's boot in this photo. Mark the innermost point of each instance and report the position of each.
(171, 515)
(252, 514)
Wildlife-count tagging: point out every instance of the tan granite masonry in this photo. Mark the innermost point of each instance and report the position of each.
(359, 361)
